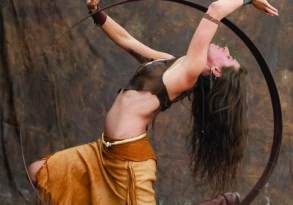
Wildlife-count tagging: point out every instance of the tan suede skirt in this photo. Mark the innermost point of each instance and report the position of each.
(93, 174)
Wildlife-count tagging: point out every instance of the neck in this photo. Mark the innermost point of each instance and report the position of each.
(206, 70)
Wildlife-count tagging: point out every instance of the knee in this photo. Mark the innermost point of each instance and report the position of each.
(33, 169)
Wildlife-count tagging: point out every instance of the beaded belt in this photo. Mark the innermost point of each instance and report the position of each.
(109, 144)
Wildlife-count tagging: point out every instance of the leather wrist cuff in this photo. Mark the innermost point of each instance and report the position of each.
(207, 16)
(99, 17)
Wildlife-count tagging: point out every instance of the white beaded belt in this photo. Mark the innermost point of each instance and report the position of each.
(109, 144)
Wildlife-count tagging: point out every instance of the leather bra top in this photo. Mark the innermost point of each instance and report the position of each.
(148, 77)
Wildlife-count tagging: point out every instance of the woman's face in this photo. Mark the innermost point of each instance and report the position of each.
(219, 57)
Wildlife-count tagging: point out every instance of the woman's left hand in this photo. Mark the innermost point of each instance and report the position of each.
(92, 4)
(266, 7)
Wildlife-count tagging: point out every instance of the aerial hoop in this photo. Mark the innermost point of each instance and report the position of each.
(277, 113)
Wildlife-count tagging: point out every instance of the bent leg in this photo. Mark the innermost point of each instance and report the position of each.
(34, 168)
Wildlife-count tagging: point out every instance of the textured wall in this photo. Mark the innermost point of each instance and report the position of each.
(56, 96)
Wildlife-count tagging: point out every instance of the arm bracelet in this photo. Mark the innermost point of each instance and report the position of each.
(99, 17)
(207, 16)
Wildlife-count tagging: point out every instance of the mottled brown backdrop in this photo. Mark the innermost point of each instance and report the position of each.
(56, 96)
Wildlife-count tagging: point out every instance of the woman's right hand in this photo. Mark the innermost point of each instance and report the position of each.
(221, 8)
(265, 6)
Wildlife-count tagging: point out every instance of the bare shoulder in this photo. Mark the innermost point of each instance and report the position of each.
(176, 78)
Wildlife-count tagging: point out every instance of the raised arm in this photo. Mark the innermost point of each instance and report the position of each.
(125, 40)
(196, 55)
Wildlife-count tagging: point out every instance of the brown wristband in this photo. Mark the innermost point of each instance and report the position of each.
(207, 16)
(99, 17)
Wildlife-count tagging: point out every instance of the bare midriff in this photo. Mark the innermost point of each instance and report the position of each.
(133, 110)
(130, 114)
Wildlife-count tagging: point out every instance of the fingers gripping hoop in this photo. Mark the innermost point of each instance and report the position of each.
(277, 113)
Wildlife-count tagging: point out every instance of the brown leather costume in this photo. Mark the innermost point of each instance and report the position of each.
(148, 77)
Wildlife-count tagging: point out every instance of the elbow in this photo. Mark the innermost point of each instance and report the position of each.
(163, 55)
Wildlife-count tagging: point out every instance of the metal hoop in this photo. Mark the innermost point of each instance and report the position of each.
(277, 113)
(275, 99)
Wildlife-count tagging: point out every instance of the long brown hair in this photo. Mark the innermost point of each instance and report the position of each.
(219, 126)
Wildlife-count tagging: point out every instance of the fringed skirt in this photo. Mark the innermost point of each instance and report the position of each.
(94, 174)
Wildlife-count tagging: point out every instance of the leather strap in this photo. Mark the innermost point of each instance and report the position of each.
(210, 18)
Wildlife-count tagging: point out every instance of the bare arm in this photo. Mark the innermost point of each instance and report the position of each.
(206, 30)
(126, 41)
(196, 55)
(123, 39)
(184, 75)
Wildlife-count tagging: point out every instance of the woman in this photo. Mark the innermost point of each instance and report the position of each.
(120, 168)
